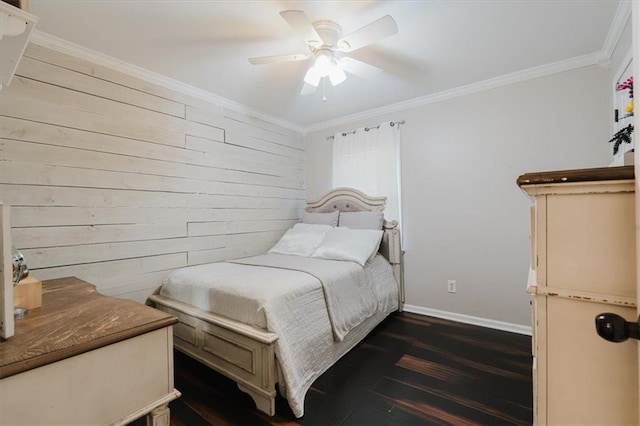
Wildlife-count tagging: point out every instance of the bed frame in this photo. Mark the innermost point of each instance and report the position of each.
(244, 353)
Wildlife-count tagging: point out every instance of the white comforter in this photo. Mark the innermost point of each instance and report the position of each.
(293, 304)
(346, 286)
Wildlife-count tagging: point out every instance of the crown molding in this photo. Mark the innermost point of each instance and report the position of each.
(620, 19)
(504, 80)
(601, 58)
(84, 53)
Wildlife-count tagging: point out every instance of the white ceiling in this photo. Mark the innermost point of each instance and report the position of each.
(440, 45)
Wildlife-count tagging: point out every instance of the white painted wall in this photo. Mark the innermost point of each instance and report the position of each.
(464, 216)
(620, 58)
(119, 181)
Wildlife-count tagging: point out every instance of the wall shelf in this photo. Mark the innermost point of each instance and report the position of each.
(16, 27)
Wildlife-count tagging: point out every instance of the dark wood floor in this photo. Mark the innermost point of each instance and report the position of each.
(411, 369)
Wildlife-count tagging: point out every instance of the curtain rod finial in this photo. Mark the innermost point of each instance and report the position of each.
(366, 129)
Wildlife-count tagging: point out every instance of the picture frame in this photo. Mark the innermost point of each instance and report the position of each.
(621, 98)
(13, 45)
(7, 324)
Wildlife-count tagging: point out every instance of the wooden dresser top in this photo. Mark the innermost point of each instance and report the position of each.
(578, 175)
(74, 318)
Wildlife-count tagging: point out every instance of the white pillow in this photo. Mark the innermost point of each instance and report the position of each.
(361, 220)
(301, 240)
(321, 218)
(356, 245)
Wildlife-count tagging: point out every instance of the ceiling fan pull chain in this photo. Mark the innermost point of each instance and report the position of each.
(324, 88)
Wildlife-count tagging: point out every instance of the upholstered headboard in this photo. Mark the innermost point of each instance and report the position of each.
(352, 200)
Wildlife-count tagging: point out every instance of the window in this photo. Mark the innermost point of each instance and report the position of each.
(368, 159)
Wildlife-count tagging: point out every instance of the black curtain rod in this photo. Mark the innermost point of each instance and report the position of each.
(366, 129)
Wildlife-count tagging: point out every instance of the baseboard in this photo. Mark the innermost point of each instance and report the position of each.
(468, 319)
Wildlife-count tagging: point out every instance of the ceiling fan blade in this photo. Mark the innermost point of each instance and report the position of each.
(299, 21)
(278, 58)
(370, 33)
(308, 89)
(359, 68)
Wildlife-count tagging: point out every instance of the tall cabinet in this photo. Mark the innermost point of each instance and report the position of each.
(582, 264)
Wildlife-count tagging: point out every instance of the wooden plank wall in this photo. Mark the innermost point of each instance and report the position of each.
(119, 181)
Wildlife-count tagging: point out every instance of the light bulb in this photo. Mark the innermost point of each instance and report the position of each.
(336, 75)
(312, 77)
(323, 63)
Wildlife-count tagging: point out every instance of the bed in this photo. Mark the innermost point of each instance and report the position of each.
(261, 341)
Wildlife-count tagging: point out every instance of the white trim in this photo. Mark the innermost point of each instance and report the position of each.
(84, 53)
(623, 13)
(623, 65)
(468, 319)
(601, 57)
(504, 80)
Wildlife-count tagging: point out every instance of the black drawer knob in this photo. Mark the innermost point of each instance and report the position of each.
(614, 328)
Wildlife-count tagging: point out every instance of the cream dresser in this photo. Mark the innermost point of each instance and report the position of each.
(87, 359)
(583, 264)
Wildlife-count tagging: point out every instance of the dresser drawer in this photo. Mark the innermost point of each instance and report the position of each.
(583, 236)
(102, 386)
(590, 381)
(591, 243)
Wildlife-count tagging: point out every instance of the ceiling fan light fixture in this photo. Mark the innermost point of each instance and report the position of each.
(312, 77)
(336, 75)
(323, 63)
(343, 45)
(324, 40)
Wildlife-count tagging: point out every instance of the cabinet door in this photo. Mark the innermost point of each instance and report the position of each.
(591, 243)
(590, 380)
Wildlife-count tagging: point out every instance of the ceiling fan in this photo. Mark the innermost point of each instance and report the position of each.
(328, 46)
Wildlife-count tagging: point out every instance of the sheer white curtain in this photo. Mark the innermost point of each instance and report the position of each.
(368, 159)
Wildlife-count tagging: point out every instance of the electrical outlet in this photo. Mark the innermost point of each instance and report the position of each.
(451, 286)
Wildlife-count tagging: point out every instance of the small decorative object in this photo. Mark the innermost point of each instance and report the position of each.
(621, 136)
(20, 269)
(624, 134)
(28, 294)
(627, 85)
(27, 290)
